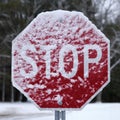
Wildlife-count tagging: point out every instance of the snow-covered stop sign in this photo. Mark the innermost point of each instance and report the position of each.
(60, 60)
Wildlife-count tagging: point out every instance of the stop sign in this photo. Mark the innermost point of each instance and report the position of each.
(60, 60)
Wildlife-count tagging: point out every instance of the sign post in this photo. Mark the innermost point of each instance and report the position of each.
(59, 115)
(60, 61)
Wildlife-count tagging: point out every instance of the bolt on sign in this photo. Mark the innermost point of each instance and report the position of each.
(60, 60)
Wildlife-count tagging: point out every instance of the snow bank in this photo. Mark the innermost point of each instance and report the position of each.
(27, 111)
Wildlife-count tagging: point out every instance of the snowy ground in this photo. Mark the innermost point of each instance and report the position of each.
(27, 111)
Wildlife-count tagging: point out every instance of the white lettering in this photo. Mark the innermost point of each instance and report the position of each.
(63, 50)
(28, 60)
(47, 58)
(88, 60)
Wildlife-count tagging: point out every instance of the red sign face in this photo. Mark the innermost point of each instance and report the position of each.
(61, 60)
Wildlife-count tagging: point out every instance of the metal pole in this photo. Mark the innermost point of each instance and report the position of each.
(63, 115)
(59, 115)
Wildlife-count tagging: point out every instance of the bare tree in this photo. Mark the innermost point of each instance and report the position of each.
(106, 16)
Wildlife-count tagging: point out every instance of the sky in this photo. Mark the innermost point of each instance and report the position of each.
(110, 8)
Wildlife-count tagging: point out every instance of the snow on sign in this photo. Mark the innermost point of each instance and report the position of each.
(60, 60)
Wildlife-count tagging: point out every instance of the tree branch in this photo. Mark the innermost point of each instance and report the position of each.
(114, 65)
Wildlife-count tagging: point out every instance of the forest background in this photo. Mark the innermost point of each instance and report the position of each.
(15, 15)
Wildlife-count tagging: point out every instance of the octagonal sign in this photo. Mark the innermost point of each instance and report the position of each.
(60, 60)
